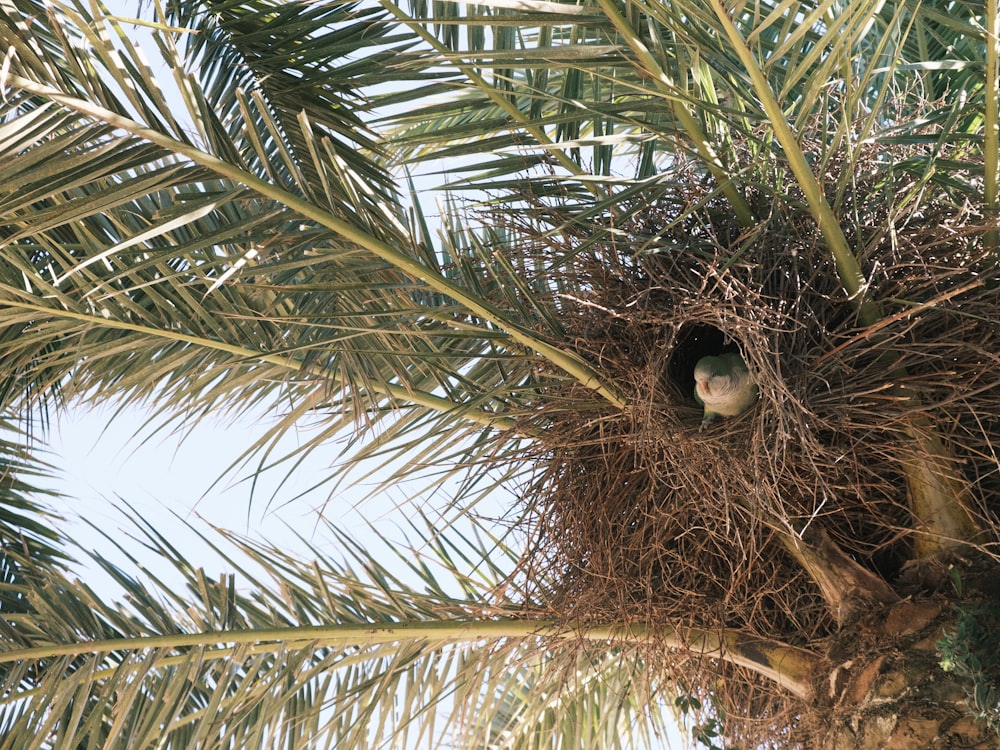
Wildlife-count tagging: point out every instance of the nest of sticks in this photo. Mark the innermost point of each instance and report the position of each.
(645, 516)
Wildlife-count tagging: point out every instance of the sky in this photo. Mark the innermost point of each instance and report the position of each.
(110, 455)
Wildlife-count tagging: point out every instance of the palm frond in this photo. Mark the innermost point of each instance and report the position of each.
(651, 81)
(27, 530)
(301, 72)
(225, 270)
(343, 652)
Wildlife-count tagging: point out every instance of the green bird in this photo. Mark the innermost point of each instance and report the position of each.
(723, 386)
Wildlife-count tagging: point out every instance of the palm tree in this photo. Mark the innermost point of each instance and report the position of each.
(813, 185)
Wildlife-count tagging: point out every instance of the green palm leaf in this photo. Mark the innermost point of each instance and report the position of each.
(343, 652)
(29, 545)
(635, 72)
(242, 265)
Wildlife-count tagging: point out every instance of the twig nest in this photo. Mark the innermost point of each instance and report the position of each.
(645, 516)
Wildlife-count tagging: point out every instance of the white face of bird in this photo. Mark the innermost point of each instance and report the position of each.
(703, 375)
(704, 388)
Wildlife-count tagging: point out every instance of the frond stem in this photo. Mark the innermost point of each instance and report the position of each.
(848, 268)
(789, 666)
(395, 392)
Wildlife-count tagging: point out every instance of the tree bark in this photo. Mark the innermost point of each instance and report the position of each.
(886, 687)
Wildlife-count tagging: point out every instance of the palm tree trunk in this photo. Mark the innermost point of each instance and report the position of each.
(887, 688)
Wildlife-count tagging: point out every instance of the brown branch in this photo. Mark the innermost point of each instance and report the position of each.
(847, 587)
(868, 331)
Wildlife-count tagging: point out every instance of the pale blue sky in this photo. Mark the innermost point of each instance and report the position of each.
(109, 453)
